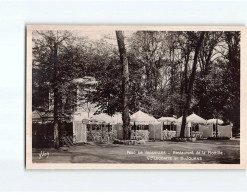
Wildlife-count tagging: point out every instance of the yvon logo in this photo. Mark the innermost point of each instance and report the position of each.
(43, 154)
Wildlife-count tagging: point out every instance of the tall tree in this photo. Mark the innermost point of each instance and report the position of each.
(232, 78)
(125, 84)
(191, 81)
(47, 56)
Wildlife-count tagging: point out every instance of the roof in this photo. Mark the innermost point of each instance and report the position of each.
(36, 114)
(193, 118)
(167, 119)
(142, 118)
(102, 117)
(213, 121)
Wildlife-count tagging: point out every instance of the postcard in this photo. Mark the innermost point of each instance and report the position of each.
(136, 97)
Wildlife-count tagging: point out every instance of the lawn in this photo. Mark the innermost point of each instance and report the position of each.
(163, 152)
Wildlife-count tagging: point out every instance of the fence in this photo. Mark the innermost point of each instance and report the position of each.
(156, 132)
(168, 135)
(140, 134)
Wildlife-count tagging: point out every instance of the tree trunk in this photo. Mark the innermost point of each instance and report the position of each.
(125, 84)
(216, 128)
(184, 78)
(56, 99)
(189, 91)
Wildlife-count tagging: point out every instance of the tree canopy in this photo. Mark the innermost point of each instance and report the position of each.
(160, 68)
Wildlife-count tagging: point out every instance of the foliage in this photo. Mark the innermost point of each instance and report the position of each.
(160, 65)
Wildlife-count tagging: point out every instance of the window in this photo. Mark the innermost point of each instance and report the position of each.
(195, 127)
(140, 127)
(169, 127)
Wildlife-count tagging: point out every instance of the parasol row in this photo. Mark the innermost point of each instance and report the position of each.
(145, 119)
(193, 118)
(103, 118)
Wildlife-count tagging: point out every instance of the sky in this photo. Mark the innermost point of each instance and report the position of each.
(109, 36)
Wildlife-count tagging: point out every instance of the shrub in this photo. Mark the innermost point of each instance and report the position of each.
(218, 138)
(183, 139)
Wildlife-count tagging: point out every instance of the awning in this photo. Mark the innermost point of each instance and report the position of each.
(193, 118)
(142, 118)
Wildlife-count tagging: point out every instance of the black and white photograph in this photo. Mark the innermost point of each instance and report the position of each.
(133, 97)
(120, 96)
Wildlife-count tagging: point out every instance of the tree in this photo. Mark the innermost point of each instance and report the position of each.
(198, 44)
(163, 73)
(231, 78)
(125, 84)
(48, 53)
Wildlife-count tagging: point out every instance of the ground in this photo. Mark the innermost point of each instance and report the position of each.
(164, 152)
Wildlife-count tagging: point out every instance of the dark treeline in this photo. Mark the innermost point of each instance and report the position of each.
(170, 73)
